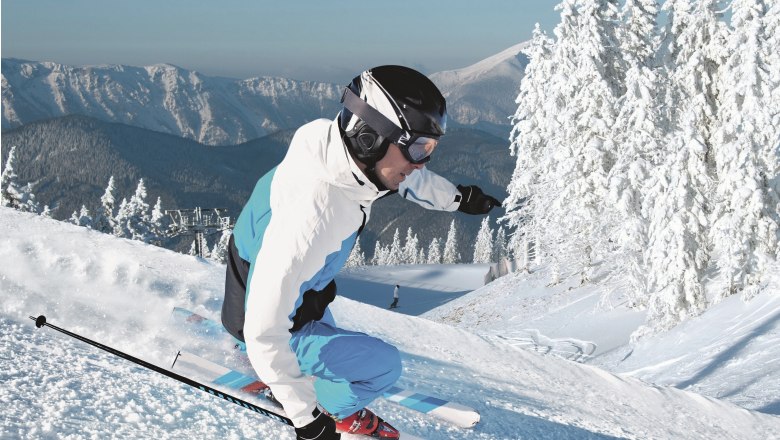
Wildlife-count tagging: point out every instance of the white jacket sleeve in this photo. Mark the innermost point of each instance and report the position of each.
(430, 190)
(295, 246)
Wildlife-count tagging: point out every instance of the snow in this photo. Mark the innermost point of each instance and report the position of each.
(121, 293)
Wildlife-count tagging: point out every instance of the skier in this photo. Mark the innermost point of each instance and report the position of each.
(394, 304)
(297, 230)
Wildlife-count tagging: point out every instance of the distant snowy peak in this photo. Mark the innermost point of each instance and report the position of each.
(507, 62)
(485, 92)
(163, 97)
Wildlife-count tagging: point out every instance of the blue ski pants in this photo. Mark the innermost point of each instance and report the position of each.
(351, 368)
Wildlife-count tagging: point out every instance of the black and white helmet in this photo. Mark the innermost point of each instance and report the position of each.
(392, 104)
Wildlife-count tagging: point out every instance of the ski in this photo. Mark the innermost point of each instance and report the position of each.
(190, 365)
(454, 413)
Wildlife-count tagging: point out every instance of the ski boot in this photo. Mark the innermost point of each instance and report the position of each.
(262, 390)
(365, 422)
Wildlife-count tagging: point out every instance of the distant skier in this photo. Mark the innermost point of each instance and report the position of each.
(297, 230)
(394, 304)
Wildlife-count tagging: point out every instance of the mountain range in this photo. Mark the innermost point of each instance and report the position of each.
(200, 141)
(226, 111)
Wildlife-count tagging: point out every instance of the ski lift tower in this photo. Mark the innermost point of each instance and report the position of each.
(199, 222)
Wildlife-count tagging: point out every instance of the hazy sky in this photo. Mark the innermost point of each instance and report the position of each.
(327, 40)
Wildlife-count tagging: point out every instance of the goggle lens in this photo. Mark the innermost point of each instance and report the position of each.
(420, 150)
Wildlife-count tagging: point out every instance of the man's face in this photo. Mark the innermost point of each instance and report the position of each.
(393, 168)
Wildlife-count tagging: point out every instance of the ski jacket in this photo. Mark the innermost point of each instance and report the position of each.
(296, 232)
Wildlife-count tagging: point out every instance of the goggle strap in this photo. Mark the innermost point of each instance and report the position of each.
(371, 116)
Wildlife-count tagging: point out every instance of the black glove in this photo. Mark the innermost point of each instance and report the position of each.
(474, 201)
(322, 428)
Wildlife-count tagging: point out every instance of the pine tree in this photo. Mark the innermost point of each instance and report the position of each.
(11, 194)
(105, 218)
(745, 224)
(138, 222)
(451, 255)
(483, 247)
(220, 251)
(121, 219)
(157, 229)
(500, 250)
(434, 252)
(421, 257)
(677, 255)
(82, 218)
(636, 134)
(356, 258)
(410, 250)
(678, 251)
(395, 256)
(381, 255)
(534, 123)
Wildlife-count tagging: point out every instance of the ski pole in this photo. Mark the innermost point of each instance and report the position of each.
(40, 321)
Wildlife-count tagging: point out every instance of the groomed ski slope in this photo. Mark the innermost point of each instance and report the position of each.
(121, 293)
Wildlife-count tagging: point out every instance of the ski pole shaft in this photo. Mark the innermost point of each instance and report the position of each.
(40, 321)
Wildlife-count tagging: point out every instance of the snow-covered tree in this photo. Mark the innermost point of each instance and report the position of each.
(637, 136)
(381, 255)
(483, 246)
(123, 214)
(357, 257)
(434, 252)
(500, 249)
(157, 227)
(745, 227)
(82, 218)
(395, 254)
(13, 195)
(104, 217)
(219, 252)
(530, 131)
(451, 255)
(677, 253)
(410, 251)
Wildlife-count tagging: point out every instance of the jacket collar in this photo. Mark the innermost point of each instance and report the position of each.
(345, 171)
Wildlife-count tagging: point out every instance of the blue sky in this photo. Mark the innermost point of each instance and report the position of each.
(328, 40)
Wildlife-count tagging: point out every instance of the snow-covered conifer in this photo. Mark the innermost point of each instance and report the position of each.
(745, 224)
(500, 250)
(82, 218)
(105, 217)
(157, 227)
(381, 255)
(434, 252)
(410, 250)
(138, 222)
(121, 219)
(13, 195)
(219, 252)
(356, 258)
(451, 254)
(395, 255)
(483, 246)
(637, 135)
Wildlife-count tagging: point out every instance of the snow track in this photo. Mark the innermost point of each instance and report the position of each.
(120, 293)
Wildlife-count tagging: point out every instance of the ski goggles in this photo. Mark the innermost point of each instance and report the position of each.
(416, 148)
(419, 149)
